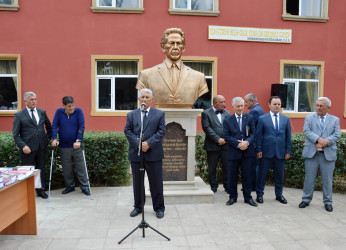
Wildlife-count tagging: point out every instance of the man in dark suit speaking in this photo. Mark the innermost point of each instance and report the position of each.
(153, 132)
(32, 131)
(215, 144)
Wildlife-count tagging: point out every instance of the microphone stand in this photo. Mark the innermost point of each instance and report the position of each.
(143, 224)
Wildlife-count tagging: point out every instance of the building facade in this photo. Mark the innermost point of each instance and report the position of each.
(93, 50)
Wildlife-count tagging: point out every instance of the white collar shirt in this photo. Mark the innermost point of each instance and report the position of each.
(35, 114)
(273, 118)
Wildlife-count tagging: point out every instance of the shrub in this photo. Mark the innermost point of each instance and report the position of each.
(294, 167)
(105, 153)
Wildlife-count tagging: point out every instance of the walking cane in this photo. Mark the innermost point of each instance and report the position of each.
(86, 170)
(50, 175)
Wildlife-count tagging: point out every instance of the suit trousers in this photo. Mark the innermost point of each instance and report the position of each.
(38, 159)
(326, 170)
(279, 167)
(154, 172)
(255, 174)
(212, 160)
(69, 156)
(247, 168)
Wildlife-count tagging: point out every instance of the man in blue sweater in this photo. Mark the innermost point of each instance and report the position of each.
(69, 123)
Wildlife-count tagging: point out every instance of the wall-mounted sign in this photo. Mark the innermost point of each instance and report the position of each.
(249, 34)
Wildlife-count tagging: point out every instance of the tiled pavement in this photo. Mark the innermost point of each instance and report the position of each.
(73, 221)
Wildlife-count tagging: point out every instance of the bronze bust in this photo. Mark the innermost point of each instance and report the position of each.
(174, 84)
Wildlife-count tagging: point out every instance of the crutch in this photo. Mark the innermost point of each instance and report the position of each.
(50, 175)
(86, 170)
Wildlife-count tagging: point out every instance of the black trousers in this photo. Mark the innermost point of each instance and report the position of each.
(247, 166)
(213, 159)
(154, 172)
(38, 159)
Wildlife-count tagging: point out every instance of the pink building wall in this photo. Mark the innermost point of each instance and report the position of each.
(56, 39)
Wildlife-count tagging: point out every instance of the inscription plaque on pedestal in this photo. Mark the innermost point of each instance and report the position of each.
(174, 165)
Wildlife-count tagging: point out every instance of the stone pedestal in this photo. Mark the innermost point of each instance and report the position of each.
(179, 182)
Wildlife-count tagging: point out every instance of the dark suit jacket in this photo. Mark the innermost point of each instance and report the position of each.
(232, 135)
(153, 132)
(271, 143)
(27, 133)
(256, 111)
(213, 129)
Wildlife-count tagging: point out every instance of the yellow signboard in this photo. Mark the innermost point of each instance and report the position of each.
(250, 34)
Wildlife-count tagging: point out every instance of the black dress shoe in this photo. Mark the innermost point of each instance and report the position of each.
(231, 201)
(86, 191)
(303, 204)
(68, 190)
(160, 214)
(281, 199)
(214, 189)
(251, 203)
(135, 212)
(42, 194)
(259, 198)
(329, 207)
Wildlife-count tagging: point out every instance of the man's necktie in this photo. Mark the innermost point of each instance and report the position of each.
(175, 76)
(145, 112)
(322, 124)
(218, 112)
(239, 123)
(276, 123)
(33, 116)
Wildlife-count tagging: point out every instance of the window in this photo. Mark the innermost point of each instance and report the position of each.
(194, 7)
(305, 10)
(118, 6)
(9, 5)
(10, 94)
(208, 66)
(114, 81)
(305, 85)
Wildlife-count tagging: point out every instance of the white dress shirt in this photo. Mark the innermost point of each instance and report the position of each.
(273, 118)
(35, 114)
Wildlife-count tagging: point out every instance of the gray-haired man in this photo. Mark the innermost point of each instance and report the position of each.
(32, 131)
(322, 131)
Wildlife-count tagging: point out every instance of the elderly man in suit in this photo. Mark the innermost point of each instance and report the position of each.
(153, 132)
(239, 131)
(32, 131)
(256, 111)
(273, 146)
(215, 144)
(322, 131)
(173, 83)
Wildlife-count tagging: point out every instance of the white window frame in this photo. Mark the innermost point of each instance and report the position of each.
(320, 64)
(179, 11)
(95, 111)
(112, 78)
(296, 92)
(323, 18)
(18, 75)
(10, 7)
(188, 6)
(113, 9)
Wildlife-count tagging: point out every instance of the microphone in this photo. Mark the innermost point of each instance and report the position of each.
(143, 106)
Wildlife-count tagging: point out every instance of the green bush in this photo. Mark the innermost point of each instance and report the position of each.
(105, 153)
(106, 157)
(294, 167)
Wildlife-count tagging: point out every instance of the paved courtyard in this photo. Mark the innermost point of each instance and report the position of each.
(73, 221)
